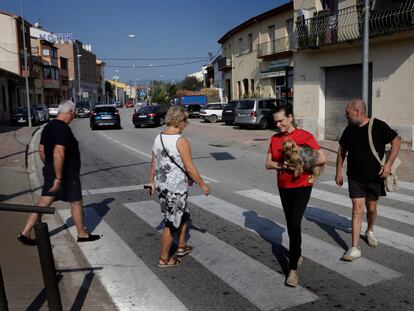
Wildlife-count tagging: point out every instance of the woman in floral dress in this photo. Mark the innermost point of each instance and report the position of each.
(171, 167)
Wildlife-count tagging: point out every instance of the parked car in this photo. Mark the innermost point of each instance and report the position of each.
(229, 112)
(53, 111)
(83, 109)
(118, 104)
(43, 113)
(212, 112)
(255, 112)
(105, 116)
(192, 110)
(20, 116)
(150, 115)
(129, 104)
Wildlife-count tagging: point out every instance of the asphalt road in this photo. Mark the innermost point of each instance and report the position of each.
(238, 232)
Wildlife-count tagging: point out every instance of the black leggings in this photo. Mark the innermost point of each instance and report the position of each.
(294, 202)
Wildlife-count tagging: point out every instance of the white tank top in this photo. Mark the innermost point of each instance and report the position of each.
(167, 174)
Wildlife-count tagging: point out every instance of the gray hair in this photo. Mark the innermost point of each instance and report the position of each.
(358, 104)
(66, 106)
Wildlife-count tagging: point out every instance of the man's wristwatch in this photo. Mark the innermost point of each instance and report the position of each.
(58, 178)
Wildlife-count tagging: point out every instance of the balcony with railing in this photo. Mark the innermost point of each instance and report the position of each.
(224, 64)
(347, 25)
(276, 46)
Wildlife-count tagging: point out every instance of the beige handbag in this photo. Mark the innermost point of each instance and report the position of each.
(390, 182)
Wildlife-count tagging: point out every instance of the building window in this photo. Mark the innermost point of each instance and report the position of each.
(3, 96)
(239, 89)
(246, 86)
(251, 86)
(53, 52)
(250, 41)
(50, 73)
(63, 63)
(241, 47)
(45, 52)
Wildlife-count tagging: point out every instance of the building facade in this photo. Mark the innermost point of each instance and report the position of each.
(12, 66)
(257, 56)
(328, 64)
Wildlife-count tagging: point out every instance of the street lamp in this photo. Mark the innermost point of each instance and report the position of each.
(79, 73)
(132, 36)
(29, 113)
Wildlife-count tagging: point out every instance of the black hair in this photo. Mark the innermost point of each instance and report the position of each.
(286, 108)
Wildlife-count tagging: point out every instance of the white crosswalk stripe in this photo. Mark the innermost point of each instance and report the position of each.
(406, 185)
(261, 285)
(394, 239)
(390, 195)
(363, 271)
(382, 210)
(130, 283)
(112, 189)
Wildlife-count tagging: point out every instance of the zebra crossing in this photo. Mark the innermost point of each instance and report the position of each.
(124, 274)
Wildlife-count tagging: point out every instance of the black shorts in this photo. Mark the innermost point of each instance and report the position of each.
(70, 188)
(370, 190)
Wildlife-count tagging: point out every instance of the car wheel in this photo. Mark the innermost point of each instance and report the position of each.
(229, 123)
(263, 124)
(137, 126)
(213, 118)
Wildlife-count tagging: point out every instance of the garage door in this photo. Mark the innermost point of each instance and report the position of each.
(342, 84)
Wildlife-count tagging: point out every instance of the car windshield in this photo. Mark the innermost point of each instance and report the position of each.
(245, 104)
(147, 109)
(231, 105)
(105, 109)
(21, 110)
(82, 105)
(53, 106)
(212, 107)
(39, 108)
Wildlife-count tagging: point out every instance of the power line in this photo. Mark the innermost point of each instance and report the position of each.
(157, 66)
(156, 58)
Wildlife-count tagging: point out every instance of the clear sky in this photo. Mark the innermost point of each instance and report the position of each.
(162, 29)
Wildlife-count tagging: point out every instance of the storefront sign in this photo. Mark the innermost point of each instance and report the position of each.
(277, 64)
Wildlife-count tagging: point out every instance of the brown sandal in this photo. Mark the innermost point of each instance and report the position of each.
(182, 251)
(163, 263)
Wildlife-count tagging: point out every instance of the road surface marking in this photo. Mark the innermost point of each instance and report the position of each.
(259, 284)
(362, 271)
(128, 281)
(390, 195)
(112, 189)
(391, 238)
(382, 210)
(208, 179)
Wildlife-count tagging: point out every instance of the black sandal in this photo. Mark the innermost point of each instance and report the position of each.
(90, 238)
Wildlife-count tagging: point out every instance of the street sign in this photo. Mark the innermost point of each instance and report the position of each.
(142, 93)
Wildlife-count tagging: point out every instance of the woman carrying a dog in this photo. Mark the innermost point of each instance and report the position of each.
(294, 189)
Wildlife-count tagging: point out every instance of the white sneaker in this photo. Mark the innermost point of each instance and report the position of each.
(372, 241)
(351, 254)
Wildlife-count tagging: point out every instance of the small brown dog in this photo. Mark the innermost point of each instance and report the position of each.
(301, 159)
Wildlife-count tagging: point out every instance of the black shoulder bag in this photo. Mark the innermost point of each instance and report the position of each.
(190, 180)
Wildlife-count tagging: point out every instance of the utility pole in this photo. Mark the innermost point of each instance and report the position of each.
(365, 62)
(29, 113)
(78, 56)
(132, 36)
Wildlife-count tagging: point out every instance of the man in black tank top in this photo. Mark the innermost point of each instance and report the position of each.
(59, 151)
(365, 174)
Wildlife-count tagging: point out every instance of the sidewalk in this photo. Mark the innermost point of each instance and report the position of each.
(20, 264)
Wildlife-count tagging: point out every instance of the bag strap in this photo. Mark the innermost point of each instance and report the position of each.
(371, 143)
(172, 159)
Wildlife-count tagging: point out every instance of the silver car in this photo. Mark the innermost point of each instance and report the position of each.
(255, 112)
(42, 112)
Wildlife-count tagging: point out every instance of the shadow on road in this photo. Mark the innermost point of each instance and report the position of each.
(272, 233)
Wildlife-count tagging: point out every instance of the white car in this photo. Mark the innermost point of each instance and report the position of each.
(53, 111)
(212, 112)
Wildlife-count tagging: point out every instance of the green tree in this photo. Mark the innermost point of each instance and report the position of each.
(109, 89)
(191, 84)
